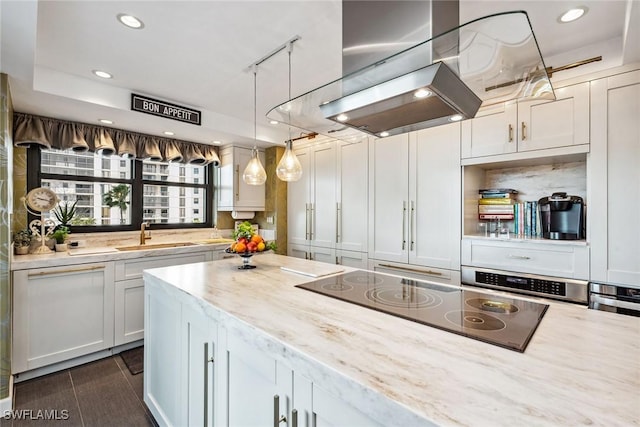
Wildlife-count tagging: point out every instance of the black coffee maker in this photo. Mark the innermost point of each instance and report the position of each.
(562, 217)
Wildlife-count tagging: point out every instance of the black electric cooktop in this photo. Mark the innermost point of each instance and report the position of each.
(498, 320)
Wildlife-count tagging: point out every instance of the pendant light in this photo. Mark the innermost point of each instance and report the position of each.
(289, 168)
(254, 173)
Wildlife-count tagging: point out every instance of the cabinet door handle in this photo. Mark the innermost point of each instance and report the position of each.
(404, 225)
(277, 419)
(207, 360)
(312, 216)
(237, 182)
(294, 418)
(68, 270)
(510, 133)
(414, 270)
(338, 221)
(411, 221)
(517, 256)
(306, 221)
(524, 134)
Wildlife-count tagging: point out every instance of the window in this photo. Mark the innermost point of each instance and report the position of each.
(140, 190)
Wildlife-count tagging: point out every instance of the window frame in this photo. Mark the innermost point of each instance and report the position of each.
(34, 180)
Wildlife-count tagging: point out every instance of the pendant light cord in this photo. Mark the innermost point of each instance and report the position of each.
(289, 109)
(255, 107)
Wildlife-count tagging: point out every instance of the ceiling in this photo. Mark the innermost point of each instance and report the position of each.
(198, 54)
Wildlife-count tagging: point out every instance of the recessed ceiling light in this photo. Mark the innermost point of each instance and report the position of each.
(130, 21)
(384, 134)
(106, 121)
(573, 14)
(168, 132)
(342, 118)
(274, 122)
(422, 93)
(455, 118)
(102, 74)
(217, 142)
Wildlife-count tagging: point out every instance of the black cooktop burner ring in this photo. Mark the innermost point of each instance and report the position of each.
(358, 279)
(492, 305)
(475, 320)
(406, 297)
(337, 287)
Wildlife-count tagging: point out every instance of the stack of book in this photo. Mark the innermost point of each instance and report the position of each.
(527, 219)
(497, 203)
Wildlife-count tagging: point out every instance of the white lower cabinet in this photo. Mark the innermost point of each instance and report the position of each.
(179, 360)
(60, 313)
(313, 253)
(129, 311)
(352, 259)
(129, 291)
(260, 390)
(199, 371)
(551, 259)
(331, 411)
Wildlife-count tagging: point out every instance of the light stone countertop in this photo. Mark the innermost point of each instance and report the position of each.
(581, 367)
(103, 254)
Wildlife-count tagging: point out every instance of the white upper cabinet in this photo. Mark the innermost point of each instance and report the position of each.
(233, 193)
(352, 196)
(416, 198)
(615, 198)
(491, 132)
(311, 202)
(559, 123)
(328, 207)
(435, 201)
(531, 125)
(390, 199)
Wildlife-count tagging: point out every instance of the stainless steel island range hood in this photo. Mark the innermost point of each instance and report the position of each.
(448, 77)
(431, 96)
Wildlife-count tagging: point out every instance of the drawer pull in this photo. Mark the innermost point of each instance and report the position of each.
(68, 270)
(415, 270)
(518, 256)
(510, 133)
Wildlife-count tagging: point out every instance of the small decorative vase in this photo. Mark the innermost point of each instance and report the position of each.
(61, 247)
(21, 250)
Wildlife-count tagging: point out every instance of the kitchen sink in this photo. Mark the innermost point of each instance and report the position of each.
(155, 246)
(216, 240)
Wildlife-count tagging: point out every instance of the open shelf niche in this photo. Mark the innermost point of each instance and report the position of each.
(533, 180)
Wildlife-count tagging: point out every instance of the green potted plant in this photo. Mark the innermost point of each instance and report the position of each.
(65, 214)
(117, 198)
(21, 242)
(60, 235)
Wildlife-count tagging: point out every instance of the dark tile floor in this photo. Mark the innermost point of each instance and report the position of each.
(100, 393)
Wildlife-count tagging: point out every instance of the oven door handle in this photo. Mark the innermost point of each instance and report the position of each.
(612, 302)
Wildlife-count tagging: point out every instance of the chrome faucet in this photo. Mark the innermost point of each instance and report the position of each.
(144, 236)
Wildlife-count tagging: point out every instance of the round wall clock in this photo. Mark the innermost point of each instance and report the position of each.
(41, 199)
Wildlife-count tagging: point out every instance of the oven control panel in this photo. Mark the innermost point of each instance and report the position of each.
(540, 286)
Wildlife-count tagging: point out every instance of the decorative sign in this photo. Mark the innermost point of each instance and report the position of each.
(164, 109)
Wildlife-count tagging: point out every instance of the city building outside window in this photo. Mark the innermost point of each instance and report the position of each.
(115, 194)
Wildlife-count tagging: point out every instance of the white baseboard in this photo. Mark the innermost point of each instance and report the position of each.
(6, 404)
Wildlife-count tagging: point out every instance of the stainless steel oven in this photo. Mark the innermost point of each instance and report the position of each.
(572, 290)
(615, 299)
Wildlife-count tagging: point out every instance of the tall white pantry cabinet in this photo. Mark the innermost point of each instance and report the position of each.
(327, 207)
(615, 177)
(415, 213)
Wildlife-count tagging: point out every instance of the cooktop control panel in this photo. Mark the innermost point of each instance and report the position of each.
(531, 284)
(564, 289)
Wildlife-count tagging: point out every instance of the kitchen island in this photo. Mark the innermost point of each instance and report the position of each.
(581, 366)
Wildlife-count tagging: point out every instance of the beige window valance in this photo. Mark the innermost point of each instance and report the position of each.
(47, 132)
